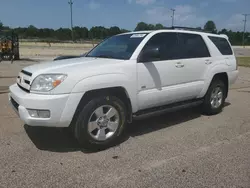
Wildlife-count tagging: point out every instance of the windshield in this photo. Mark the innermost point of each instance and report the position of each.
(117, 47)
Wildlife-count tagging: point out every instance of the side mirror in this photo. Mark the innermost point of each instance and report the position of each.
(150, 54)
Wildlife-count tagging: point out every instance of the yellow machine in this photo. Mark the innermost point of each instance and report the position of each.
(9, 46)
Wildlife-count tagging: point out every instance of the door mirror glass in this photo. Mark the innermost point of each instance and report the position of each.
(150, 54)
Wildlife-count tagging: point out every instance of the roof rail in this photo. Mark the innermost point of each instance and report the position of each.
(224, 35)
(188, 28)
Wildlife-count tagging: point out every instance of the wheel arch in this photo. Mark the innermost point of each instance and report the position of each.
(224, 77)
(118, 91)
(218, 75)
(217, 71)
(109, 81)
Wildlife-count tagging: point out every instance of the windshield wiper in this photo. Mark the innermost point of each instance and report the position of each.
(105, 56)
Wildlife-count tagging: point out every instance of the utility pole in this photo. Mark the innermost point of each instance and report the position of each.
(173, 10)
(71, 19)
(245, 25)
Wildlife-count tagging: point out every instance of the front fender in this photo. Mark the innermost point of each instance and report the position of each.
(220, 68)
(109, 81)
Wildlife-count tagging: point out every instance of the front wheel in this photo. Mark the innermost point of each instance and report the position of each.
(101, 122)
(214, 98)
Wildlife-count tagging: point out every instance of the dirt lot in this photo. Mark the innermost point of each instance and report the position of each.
(46, 50)
(181, 149)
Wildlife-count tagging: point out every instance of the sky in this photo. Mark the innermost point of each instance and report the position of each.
(124, 13)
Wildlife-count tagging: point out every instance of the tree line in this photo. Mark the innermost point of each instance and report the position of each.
(100, 32)
(80, 33)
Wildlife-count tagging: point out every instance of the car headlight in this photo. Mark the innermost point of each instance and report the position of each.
(47, 82)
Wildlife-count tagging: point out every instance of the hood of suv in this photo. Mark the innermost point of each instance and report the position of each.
(70, 65)
(76, 70)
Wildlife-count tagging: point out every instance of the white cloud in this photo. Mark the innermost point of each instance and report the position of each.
(94, 5)
(142, 2)
(235, 22)
(184, 9)
(185, 15)
(204, 4)
(229, 1)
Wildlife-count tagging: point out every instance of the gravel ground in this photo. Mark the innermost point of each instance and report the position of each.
(181, 149)
(241, 52)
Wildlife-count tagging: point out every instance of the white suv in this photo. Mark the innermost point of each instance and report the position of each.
(126, 76)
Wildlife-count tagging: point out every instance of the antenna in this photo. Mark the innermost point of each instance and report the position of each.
(71, 18)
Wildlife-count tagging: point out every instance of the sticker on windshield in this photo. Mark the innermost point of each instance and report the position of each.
(138, 35)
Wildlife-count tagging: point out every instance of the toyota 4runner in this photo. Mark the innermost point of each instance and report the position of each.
(124, 77)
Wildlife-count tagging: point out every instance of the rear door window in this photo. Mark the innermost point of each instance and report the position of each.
(222, 45)
(192, 46)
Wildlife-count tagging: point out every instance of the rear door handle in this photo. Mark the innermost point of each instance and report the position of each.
(208, 62)
(179, 65)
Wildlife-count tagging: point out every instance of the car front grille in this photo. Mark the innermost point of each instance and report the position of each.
(27, 82)
(24, 80)
(22, 88)
(26, 73)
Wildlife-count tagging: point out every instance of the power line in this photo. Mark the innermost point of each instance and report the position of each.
(172, 16)
(71, 18)
(244, 31)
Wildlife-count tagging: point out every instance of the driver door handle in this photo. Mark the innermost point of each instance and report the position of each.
(179, 65)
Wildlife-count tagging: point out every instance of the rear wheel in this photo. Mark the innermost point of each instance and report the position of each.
(215, 97)
(17, 57)
(100, 123)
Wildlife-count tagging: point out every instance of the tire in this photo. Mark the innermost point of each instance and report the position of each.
(94, 140)
(17, 57)
(212, 108)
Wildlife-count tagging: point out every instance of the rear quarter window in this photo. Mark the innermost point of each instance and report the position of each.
(222, 45)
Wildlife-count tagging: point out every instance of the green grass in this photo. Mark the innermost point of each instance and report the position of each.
(243, 61)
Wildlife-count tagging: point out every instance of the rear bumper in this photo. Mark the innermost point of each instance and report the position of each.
(232, 77)
(62, 107)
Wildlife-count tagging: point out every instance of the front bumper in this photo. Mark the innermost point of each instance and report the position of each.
(62, 107)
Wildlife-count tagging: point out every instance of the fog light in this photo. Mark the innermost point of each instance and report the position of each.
(33, 113)
(44, 113)
(39, 113)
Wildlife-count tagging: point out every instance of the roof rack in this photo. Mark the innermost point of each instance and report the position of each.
(188, 28)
